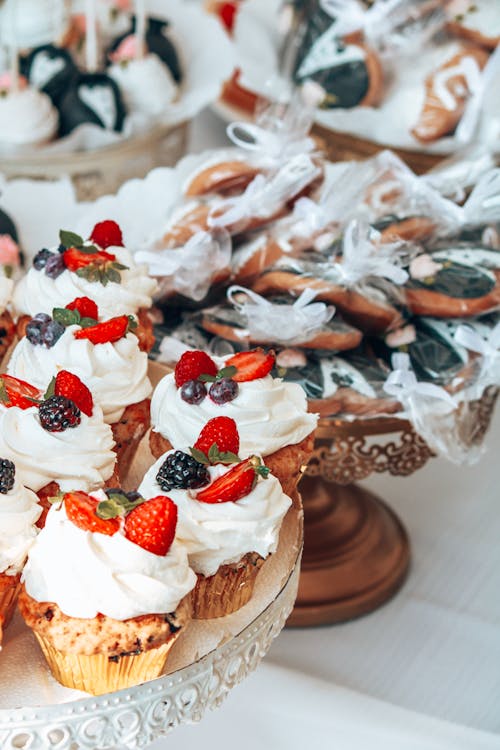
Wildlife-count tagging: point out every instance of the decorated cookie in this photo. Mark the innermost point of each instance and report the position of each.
(158, 43)
(91, 98)
(476, 20)
(49, 69)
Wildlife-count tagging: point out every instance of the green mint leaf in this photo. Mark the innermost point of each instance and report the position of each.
(227, 457)
(66, 317)
(8, 271)
(70, 239)
(109, 508)
(132, 323)
(213, 453)
(207, 378)
(4, 396)
(199, 456)
(88, 322)
(119, 266)
(226, 372)
(112, 274)
(51, 389)
(89, 249)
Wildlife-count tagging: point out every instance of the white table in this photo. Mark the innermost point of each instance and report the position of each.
(421, 673)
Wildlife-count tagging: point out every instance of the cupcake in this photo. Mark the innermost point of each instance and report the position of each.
(100, 268)
(19, 512)
(271, 415)
(106, 589)
(230, 514)
(57, 442)
(105, 356)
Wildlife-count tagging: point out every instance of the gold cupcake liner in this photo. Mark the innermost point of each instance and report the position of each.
(9, 590)
(99, 673)
(227, 590)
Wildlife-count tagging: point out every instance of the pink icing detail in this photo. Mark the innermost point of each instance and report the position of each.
(401, 336)
(6, 82)
(126, 50)
(80, 23)
(123, 5)
(9, 251)
(423, 266)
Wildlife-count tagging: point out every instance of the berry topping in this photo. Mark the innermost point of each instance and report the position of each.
(251, 365)
(42, 330)
(181, 471)
(218, 442)
(193, 391)
(224, 390)
(41, 258)
(7, 475)
(15, 392)
(107, 234)
(76, 258)
(85, 306)
(69, 385)
(88, 261)
(58, 413)
(108, 332)
(81, 509)
(238, 482)
(54, 266)
(152, 525)
(191, 365)
(227, 14)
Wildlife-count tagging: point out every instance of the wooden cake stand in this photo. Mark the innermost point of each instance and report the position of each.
(356, 550)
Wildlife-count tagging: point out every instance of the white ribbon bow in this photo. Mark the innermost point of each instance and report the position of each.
(282, 324)
(189, 269)
(483, 204)
(308, 217)
(488, 348)
(273, 145)
(402, 383)
(479, 83)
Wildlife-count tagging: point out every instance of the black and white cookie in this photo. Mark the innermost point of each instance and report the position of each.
(49, 69)
(91, 98)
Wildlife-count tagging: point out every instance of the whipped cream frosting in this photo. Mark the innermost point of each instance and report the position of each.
(19, 511)
(116, 373)
(216, 534)
(27, 117)
(146, 84)
(80, 457)
(6, 287)
(85, 573)
(269, 413)
(36, 292)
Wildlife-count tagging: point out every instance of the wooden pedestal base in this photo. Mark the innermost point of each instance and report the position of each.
(356, 553)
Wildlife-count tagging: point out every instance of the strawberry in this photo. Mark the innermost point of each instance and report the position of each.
(75, 258)
(85, 306)
(108, 332)
(81, 510)
(234, 484)
(107, 234)
(152, 524)
(69, 385)
(227, 13)
(251, 365)
(193, 364)
(15, 392)
(221, 432)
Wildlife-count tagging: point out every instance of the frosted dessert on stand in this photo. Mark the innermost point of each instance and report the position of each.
(230, 514)
(27, 117)
(106, 589)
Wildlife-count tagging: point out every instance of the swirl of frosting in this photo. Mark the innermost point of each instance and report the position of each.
(268, 412)
(36, 292)
(146, 84)
(85, 572)
(79, 457)
(19, 511)
(116, 373)
(216, 534)
(27, 117)
(6, 287)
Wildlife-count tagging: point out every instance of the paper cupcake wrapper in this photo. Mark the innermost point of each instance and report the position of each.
(98, 674)
(226, 591)
(9, 590)
(289, 464)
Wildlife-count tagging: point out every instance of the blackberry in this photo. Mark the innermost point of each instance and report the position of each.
(54, 266)
(193, 391)
(52, 332)
(223, 390)
(41, 258)
(58, 413)
(181, 471)
(7, 475)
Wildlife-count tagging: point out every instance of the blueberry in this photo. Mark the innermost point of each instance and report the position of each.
(54, 266)
(42, 318)
(34, 332)
(223, 390)
(61, 249)
(41, 259)
(193, 391)
(51, 332)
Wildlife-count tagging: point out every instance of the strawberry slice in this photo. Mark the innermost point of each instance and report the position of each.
(15, 392)
(103, 333)
(221, 432)
(74, 258)
(69, 385)
(191, 365)
(107, 234)
(152, 525)
(227, 14)
(81, 510)
(85, 306)
(251, 365)
(236, 483)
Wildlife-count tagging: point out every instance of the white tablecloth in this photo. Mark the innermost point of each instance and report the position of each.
(421, 673)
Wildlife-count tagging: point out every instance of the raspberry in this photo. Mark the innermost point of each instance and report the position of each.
(41, 258)
(181, 471)
(58, 413)
(55, 266)
(107, 234)
(193, 364)
(193, 391)
(7, 475)
(223, 390)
